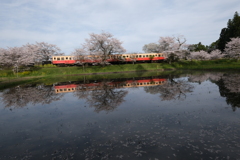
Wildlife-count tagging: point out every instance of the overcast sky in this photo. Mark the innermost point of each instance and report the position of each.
(67, 23)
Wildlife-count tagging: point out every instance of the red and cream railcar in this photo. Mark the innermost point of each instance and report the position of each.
(116, 58)
(143, 57)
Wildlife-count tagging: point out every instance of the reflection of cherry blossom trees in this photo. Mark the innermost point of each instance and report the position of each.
(102, 97)
(106, 99)
(201, 77)
(232, 82)
(21, 96)
(229, 87)
(172, 89)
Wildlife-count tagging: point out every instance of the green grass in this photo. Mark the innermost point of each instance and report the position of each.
(210, 65)
(52, 71)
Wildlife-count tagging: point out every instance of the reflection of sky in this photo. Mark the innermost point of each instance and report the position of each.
(71, 126)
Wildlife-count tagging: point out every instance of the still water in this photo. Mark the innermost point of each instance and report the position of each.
(154, 116)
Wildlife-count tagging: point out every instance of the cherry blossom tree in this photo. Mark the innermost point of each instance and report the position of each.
(201, 55)
(15, 56)
(102, 45)
(167, 44)
(174, 43)
(151, 48)
(45, 51)
(27, 54)
(232, 48)
(174, 47)
(79, 55)
(216, 54)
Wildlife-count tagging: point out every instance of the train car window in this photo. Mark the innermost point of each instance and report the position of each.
(124, 56)
(66, 58)
(140, 56)
(70, 58)
(62, 58)
(61, 90)
(58, 58)
(146, 55)
(136, 56)
(143, 55)
(54, 58)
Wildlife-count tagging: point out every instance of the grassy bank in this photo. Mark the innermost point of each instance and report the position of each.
(52, 71)
(55, 71)
(208, 65)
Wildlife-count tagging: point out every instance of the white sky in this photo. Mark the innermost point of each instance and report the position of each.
(67, 23)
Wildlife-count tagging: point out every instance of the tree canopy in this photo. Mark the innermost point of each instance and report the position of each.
(231, 31)
(102, 45)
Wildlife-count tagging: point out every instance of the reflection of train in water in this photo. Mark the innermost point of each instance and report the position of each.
(116, 58)
(72, 87)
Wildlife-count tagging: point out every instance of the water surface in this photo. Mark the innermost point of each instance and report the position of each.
(175, 116)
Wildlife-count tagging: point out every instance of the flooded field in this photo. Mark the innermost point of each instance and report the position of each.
(153, 117)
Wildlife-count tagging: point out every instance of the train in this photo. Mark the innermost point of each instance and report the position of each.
(112, 59)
